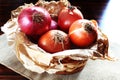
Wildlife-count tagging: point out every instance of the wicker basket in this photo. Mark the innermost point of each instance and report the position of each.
(36, 59)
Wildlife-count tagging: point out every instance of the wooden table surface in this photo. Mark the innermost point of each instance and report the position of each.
(91, 9)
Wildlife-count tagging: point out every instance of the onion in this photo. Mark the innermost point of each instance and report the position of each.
(34, 20)
(53, 25)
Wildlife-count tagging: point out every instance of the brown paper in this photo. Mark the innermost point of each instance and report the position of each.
(94, 69)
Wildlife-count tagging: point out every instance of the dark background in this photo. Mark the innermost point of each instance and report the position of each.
(91, 9)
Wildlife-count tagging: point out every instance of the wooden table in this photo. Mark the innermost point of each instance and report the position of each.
(91, 9)
(7, 74)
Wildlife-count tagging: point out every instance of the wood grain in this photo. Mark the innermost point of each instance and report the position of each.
(91, 9)
(7, 74)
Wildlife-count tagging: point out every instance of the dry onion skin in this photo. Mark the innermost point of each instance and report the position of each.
(37, 60)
